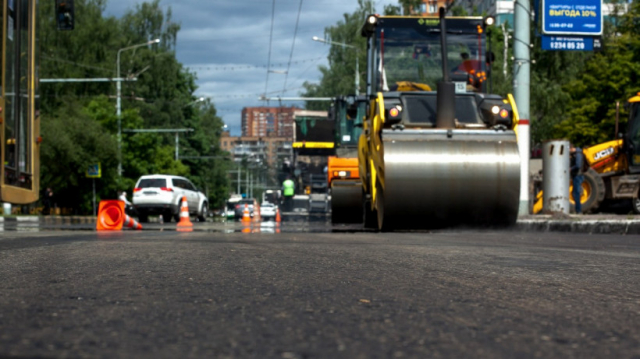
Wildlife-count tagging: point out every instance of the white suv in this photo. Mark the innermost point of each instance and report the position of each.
(162, 195)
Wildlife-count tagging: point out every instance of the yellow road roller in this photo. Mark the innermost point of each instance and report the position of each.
(429, 159)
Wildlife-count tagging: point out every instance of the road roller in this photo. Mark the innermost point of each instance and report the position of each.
(436, 149)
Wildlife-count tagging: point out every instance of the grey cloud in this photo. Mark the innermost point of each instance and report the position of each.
(223, 34)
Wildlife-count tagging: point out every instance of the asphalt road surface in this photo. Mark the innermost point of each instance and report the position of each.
(301, 294)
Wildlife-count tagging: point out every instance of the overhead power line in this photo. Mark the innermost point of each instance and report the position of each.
(293, 44)
(273, 15)
(250, 67)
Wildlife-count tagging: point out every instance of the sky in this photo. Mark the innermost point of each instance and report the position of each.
(228, 44)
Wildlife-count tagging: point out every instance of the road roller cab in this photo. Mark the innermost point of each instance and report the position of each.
(435, 149)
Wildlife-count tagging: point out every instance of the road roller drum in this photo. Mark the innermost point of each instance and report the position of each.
(443, 177)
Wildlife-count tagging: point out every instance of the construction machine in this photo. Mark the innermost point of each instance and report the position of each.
(313, 143)
(435, 158)
(343, 176)
(613, 168)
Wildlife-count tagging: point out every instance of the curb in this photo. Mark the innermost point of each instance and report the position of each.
(48, 220)
(590, 226)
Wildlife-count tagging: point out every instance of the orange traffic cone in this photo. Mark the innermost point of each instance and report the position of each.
(131, 223)
(256, 213)
(184, 214)
(278, 218)
(110, 215)
(246, 217)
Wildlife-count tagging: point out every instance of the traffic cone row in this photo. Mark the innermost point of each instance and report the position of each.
(185, 222)
(246, 216)
(256, 213)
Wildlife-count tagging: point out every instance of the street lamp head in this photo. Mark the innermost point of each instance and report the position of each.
(315, 38)
(156, 41)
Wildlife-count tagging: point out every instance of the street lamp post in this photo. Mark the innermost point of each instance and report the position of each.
(119, 96)
(315, 38)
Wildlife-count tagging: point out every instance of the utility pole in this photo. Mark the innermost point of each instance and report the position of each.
(521, 88)
(239, 177)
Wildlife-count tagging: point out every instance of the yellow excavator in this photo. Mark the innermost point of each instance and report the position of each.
(434, 158)
(613, 168)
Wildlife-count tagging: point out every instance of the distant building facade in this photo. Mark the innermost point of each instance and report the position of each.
(267, 121)
(268, 150)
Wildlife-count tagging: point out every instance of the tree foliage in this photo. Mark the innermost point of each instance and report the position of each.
(339, 76)
(79, 121)
(609, 77)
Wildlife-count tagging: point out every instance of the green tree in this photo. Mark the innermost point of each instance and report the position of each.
(160, 98)
(73, 142)
(609, 77)
(339, 76)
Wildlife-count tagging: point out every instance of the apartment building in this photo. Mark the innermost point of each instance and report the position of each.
(267, 121)
(267, 150)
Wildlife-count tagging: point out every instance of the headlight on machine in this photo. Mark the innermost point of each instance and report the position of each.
(496, 112)
(393, 113)
(341, 174)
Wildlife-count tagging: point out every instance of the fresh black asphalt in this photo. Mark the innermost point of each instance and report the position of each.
(205, 294)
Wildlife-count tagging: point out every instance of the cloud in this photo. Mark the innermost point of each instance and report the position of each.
(226, 43)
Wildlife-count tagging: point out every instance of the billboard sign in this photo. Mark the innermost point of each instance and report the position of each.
(572, 17)
(571, 43)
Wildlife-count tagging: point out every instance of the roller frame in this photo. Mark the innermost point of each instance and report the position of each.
(471, 202)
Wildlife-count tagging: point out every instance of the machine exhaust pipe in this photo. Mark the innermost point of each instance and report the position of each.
(446, 100)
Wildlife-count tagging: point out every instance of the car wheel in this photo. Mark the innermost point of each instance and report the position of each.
(204, 212)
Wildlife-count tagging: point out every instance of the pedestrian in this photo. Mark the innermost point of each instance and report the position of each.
(127, 205)
(576, 170)
(47, 201)
(288, 189)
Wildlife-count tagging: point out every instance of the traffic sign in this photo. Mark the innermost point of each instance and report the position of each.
(571, 43)
(94, 171)
(572, 17)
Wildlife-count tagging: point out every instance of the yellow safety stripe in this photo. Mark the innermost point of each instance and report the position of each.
(516, 116)
(372, 168)
(313, 145)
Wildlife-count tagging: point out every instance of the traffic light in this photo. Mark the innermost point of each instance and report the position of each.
(64, 14)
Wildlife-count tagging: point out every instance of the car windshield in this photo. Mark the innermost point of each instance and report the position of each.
(152, 182)
(410, 53)
(265, 205)
(246, 201)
